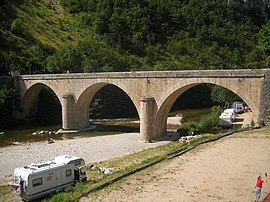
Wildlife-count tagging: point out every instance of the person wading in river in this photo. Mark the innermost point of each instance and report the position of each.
(258, 186)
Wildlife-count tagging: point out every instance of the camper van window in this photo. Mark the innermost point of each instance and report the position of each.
(68, 173)
(77, 163)
(37, 182)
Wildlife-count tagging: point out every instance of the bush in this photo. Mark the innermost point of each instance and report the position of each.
(8, 102)
(189, 128)
(207, 123)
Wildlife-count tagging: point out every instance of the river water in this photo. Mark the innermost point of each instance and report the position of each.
(100, 127)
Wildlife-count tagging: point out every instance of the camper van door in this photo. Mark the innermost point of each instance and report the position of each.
(58, 178)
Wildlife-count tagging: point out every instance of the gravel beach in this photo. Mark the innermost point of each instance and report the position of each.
(94, 149)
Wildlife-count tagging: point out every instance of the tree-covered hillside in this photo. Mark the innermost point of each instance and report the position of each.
(56, 36)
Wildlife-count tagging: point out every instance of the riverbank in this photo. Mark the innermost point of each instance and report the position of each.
(94, 149)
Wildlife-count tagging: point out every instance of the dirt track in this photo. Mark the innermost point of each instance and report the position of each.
(225, 170)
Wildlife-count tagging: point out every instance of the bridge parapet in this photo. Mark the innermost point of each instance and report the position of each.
(154, 74)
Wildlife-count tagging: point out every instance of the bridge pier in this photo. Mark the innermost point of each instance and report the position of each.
(147, 118)
(68, 112)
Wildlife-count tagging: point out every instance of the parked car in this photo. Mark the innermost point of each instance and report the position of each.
(230, 112)
(238, 107)
(225, 120)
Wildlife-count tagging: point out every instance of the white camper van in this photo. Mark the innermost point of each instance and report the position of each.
(230, 112)
(238, 107)
(225, 120)
(40, 179)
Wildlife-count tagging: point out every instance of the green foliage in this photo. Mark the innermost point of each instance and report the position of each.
(98, 57)
(18, 27)
(210, 121)
(207, 123)
(67, 59)
(30, 33)
(8, 101)
(264, 43)
(122, 35)
(264, 38)
(223, 96)
(168, 35)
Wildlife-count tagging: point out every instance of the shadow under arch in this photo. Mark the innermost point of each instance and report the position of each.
(29, 101)
(163, 112)
(85, 99)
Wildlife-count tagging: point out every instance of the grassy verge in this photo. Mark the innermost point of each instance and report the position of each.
(127, 165)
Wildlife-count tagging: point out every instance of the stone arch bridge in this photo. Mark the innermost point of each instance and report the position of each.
(152, 93)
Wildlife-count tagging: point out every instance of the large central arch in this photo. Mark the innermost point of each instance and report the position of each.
(81, 106)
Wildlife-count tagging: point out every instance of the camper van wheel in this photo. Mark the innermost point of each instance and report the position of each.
(84, 179)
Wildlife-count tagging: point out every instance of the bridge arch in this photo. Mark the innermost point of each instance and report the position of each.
(170, 96)
(81, 106)
(29, 98)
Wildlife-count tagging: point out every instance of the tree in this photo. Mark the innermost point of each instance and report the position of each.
(263, 43)
(9, 102)
(223, 96)
(66, 59)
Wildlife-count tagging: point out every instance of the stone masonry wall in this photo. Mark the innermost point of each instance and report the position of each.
(265, 99)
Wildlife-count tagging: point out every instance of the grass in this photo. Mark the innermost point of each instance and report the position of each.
(48, 26)
(6, 194)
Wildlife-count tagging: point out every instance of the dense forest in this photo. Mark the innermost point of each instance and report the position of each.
(55, 36)
(120, 35)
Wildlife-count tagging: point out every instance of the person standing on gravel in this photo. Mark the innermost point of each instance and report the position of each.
(258, 186)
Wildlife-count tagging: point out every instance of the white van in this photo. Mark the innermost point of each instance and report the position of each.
(230, 112)
(40, 179)
(225, 120)
(238, 107)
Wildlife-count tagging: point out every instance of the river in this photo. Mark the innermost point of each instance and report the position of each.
(100, 127)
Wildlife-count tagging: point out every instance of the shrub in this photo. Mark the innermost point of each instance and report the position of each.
(207, 123)
(8, 102)
(189, 128)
